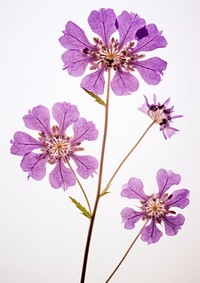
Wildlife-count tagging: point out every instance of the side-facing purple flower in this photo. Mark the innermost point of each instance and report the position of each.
(54, 146)
(122, 54)
(155, 208)
(161, 115)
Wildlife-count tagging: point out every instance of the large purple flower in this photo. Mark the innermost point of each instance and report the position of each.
(156, 208)
(161, 115)
(54, 146)
(122, 54)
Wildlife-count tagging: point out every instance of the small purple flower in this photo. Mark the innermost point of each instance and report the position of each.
(161, 115)
(155, 208)
(54, 146)
(123, 55)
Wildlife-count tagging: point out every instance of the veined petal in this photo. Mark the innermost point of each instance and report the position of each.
(75, 61)
(128, 25)
(84, 130)
(166, 179)
(179, 199)
(94, 82)
(151, 234)
(102, 22)
(151, 69)
(24, 143)
(74, 37)
(134, 189)
(65, 114)
(86, 164)
(144, 108)
(130, 217)
(35, 164)
(38, 119)
(62, 177)
(173, 224)
(124, 83)
(168, 132)
(151, 41)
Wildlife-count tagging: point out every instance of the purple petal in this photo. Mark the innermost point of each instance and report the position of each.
(134, 189)
(128, 25)
(35, 164)
(86, 164)
(173, 224)
(168, 132)
(141, 33)
(84, 130)
(151, 234)
(94, 82)
(166, 179)
(124, 83)
(151, 69)
(153, 40)
(179, 199)
(38, 119)
(62, 177)
(176, 116)
(74, 38)
(65, 114)
(145, 107)
(102, 22)
(75, 61)
(130, 217)
(24, 143)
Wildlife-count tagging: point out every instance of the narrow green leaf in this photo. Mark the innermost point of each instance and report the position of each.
(105, 191)
(96, 97)
(81, 208)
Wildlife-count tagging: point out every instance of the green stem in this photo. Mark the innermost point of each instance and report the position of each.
(126, 253)
(89, 236)
(81, 187)
(125, 158)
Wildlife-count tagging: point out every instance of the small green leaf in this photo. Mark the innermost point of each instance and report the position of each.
(105, 191)
(81, 208)
(96, 97)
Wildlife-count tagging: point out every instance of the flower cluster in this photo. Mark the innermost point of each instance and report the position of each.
(55, 146)
(161, 115)
(124, 54)
(156, 208)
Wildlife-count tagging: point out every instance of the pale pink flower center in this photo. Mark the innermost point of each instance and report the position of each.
(156, 207)
(58, 146)
(158, 116)
(113, 57)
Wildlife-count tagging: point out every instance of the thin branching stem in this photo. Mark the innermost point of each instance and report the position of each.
(89, 236)
(125, 158)
(81, 187)
(126, 253)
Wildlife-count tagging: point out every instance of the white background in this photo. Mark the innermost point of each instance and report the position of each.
(42, 234)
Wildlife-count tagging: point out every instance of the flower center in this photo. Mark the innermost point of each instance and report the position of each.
(58, 146)
(154, 207)
(112, 56)
(159, 114)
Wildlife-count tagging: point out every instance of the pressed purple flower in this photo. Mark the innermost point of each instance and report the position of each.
(123, 54)
(161, 115)
(156, 208)
(54, 146)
